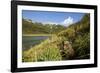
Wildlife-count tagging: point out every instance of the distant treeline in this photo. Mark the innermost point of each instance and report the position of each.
(29, 27)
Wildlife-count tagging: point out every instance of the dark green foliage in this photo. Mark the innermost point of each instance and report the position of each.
(81, 46)
(78, 35)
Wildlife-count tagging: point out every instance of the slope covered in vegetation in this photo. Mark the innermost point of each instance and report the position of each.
(30, 27)
(69, 44)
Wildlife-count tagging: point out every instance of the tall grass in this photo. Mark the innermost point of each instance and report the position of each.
(46, 51)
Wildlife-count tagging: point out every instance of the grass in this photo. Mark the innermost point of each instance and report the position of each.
(46, 51)
(51, 49)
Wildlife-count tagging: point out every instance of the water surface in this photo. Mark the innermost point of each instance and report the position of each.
(30, 41)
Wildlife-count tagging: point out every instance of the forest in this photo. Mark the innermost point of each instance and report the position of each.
(66, 43)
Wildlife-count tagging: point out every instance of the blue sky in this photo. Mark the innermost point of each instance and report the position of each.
(63, 18)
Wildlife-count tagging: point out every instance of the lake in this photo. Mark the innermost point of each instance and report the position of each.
(30, 41)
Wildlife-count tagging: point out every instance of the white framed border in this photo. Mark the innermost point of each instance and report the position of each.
(53, 63)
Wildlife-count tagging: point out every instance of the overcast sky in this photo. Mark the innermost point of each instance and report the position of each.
(63, 18)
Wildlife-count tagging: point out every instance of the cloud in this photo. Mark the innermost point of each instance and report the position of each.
(68, 21)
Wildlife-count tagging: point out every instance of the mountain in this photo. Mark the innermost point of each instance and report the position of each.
(29, 27)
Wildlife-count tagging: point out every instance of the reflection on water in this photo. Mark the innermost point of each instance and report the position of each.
(30, 41)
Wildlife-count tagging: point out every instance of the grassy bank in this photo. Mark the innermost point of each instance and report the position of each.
(46, 51)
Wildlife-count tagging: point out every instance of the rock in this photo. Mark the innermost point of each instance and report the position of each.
(67, 51)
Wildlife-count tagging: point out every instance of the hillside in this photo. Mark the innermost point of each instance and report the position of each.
(29, 27)
(79, 37)
(70, 43)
